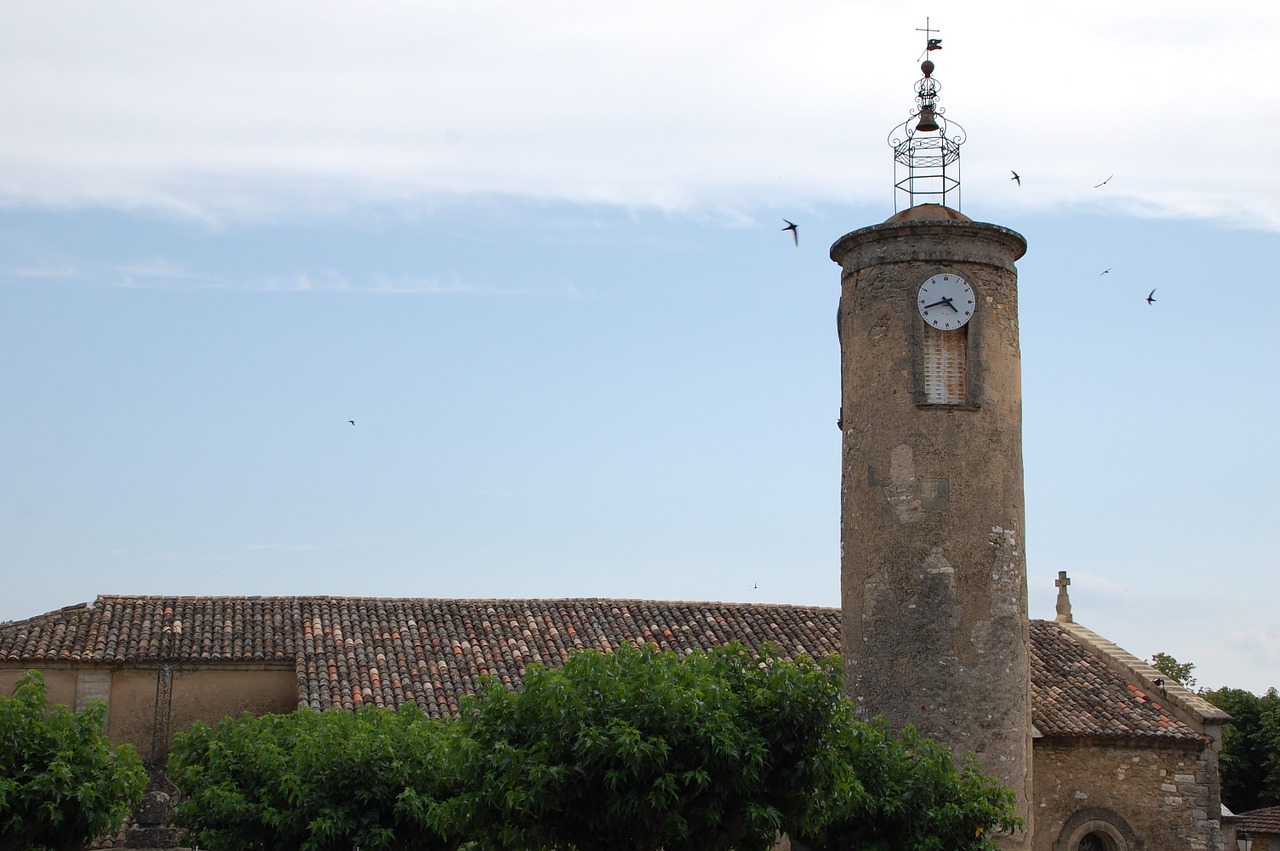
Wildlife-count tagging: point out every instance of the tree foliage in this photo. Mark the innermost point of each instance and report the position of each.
(637, 750)
(1179, 672)
(1250, 762)
(61, 782)
(316, 781)
(913, 797)
(641, 750)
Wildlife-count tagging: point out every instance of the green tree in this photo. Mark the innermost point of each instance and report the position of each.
(913, 797)
(641, 750)
(1179, 672)
(61, 782)
(316, 781)
(636, 750)
(1250, 762)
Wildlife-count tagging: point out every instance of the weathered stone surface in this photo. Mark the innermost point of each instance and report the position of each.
(1160, 795)
(152, 837)
(932, 560)
(154, 809)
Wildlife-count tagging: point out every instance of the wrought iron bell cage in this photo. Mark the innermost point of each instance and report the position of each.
(926, 151)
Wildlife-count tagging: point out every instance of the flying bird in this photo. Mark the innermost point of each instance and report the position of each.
(1017, 178)
(353, 422)
(1151, 297)
(795, 232)
(1104, 271)
(1105, 182)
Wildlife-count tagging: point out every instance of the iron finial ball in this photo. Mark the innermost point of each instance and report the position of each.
(927, 67)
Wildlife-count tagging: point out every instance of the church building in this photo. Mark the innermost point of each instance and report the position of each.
(1118, 760)
(933, 628)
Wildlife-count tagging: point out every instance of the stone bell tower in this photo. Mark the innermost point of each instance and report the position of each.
(933, 569)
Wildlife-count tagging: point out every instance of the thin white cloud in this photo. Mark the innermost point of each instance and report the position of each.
(427, 286)
(161, 275)
(417, 285)
(335, 282)
(1261, 647)
(44, 271)
(157, 267)
(212, 553)
(1099, 589)
(300, 282)
(233, 109)
(250, 550)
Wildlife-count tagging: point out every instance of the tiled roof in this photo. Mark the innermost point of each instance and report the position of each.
(1075, 693)
(351, 652)
(1265, 820)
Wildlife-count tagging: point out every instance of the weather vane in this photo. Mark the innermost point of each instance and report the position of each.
(926, 147)
(930, 43)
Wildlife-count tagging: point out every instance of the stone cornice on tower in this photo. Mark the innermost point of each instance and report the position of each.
(933, 237)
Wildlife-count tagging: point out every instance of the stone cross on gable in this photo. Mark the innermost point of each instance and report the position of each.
(1064, 600)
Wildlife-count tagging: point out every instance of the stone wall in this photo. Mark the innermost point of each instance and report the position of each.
(60, 685)
(147, 704)
(149, 701)
(1141, 798)
(1261, 841)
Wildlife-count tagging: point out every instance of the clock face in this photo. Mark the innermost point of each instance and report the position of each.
(946, 302)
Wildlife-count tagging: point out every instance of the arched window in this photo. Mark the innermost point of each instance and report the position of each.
(1092, 842)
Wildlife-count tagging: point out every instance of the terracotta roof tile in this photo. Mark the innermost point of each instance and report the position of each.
(1257, 822)
(1076, 694)
(352, 652)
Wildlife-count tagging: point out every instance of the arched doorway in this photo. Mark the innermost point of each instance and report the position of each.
(1093, 842)
(1096, 829)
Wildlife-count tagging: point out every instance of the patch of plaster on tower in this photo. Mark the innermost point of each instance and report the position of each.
(1004, 537)
(937, 563)
(901, 491)
(881, 327)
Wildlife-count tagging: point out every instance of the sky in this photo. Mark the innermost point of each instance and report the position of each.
(535, 252)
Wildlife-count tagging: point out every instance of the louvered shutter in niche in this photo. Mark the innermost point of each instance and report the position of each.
(944, 366)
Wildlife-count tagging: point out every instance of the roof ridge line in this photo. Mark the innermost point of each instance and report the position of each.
(1185, 702)
(523, 600)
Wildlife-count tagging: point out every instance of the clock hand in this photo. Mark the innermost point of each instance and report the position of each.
(945, 301)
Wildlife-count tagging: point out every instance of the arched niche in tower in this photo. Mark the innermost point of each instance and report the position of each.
(945, 302)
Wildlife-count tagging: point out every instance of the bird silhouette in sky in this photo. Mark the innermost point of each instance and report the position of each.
(795, 231)
(1151, 297)
(1105, 182)
(1017, 178)
(1104, 271)
(353, 422)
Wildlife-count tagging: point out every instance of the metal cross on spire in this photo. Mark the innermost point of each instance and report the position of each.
(930, 43)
